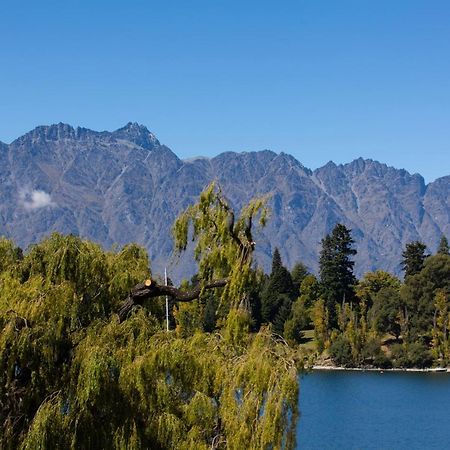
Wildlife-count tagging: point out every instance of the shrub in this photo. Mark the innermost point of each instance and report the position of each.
(374, 355)
(341, 351)
(415, 354)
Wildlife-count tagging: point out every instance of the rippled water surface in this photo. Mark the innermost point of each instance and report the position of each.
(371, 410)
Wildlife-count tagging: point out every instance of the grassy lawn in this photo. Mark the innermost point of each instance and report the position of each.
(308, 342)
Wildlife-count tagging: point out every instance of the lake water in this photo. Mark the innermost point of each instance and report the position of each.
(372, 410)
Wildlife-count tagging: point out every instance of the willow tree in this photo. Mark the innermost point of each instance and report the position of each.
(224, 248)
(76, 375)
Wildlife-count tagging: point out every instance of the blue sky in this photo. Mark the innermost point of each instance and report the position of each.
(322, 80)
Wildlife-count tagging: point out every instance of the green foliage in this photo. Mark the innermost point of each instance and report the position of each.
(319, 315)
(441, 344)
(387, 310)
(224, 249)
(282, 315)
(188, 318)
(415, 354)
(415, 312)
(277, 294)
(69, 383)
(10, 256)
(209, 313)
(73, 377)
(224, 246)
(56, 292)
(413, 258)
(336, 270)
(102, 279)
(341, 351)
(443, 248)
(419, 291)
(310, 290)
(372, 283)
(373, 355)
(237, 326)
(298, 274)
(298, 322)
(352, 325)
(131, 385)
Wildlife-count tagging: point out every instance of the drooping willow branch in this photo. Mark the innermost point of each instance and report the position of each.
(224, 249)
(151, 289)
(247, 247)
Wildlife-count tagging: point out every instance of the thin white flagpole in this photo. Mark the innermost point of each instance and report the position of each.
(167, 300)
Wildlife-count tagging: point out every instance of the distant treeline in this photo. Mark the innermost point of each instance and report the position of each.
(378, 320)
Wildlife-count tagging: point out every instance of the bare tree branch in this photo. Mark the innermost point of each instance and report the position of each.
(151, 289)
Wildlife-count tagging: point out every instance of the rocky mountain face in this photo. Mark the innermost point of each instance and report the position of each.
(124, 186)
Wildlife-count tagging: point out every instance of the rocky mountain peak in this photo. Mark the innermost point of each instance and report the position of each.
(139, 134)
(53, 132)
(329, 166)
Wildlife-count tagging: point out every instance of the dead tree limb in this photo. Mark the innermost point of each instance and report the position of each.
(150, 289)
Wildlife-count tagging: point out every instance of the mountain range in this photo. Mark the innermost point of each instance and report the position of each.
(125, 186)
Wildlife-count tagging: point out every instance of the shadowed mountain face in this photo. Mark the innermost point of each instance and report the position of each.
(124, 186)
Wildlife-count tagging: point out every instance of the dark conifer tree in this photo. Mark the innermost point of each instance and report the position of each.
(336, 270)
(269, 303)
(413, 258)
(443, 248)
(276, 261)
(283, 314)
(298, 274)
(255, 308)
(278, 284)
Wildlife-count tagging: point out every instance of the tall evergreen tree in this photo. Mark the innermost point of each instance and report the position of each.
(419, 291)
(336, 270)
(278, 285)
(298, 274)
(276, 260)
(443, 248)
(280, 277)
(413, 258)
(283, 314)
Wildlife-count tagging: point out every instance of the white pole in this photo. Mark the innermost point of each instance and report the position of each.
(167, 300)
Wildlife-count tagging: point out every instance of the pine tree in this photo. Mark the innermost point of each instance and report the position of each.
(276, 260)
(298, 274)
(281, 280)
(283, 314)
(269, 302)
(278, 285)
(336, 270)
(443, 248)
(413, 258)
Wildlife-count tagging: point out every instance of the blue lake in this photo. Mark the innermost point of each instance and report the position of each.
(371, 410)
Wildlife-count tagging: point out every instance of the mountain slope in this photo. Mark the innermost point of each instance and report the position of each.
(122, 186)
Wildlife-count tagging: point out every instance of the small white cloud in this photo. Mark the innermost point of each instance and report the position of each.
(34, 199)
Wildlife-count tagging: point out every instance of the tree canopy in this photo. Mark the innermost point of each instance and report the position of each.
(413, 258)
(75, 376)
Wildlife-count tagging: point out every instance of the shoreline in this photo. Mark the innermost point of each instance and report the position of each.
(375, 369)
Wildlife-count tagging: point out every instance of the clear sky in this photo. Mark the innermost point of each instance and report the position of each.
(322, 80)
